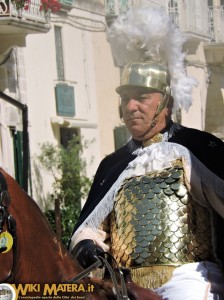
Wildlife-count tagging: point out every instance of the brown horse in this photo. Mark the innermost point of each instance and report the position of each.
(38, 256)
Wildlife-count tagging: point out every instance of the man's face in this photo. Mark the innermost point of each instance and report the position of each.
(139, 106)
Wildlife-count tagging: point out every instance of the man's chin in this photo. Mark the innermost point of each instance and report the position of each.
(139, 135)
(136, 131)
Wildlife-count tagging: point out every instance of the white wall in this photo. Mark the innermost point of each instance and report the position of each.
(41, 74)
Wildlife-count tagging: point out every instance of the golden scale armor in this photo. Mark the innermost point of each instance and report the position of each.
(156, 226)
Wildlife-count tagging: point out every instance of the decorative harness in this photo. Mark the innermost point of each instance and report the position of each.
(7, 225)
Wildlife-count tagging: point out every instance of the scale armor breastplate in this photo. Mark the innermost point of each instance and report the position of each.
(155, 222)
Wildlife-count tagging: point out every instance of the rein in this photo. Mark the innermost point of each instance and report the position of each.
(7, 224)
(103, 260)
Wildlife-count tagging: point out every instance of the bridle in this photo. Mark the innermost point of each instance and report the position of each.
(7, 225)
(103, 260)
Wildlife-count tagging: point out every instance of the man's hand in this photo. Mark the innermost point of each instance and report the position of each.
(86, 252)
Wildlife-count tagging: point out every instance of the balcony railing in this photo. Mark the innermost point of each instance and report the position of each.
(196, 18)
(31, 19)
(115, 7)
(216, 22)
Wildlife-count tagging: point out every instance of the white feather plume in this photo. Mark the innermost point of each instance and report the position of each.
(149, 32)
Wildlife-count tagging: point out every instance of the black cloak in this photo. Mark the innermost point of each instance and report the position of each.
(205, 146)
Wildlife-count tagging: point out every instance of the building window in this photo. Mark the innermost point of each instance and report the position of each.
(67, 134)
(59, 53)
(121, 136)
(210, 2)
(110, 7)
(123, 6)
(17, 137)
(173, 11)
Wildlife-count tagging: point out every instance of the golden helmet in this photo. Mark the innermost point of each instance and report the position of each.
(150, 74)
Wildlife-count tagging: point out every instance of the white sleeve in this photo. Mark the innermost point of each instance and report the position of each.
(98, 236)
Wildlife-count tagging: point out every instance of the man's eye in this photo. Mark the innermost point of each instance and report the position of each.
(137, 98)
(142, 98)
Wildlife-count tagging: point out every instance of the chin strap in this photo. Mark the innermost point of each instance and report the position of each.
(162, 104)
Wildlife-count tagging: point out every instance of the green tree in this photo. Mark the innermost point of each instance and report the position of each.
(70, 185)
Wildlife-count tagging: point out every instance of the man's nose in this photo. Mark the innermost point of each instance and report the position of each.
(132, 104)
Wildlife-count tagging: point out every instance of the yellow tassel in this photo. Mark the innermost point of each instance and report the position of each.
(152, 276)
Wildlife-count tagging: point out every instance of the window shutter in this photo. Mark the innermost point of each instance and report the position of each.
(121, 136)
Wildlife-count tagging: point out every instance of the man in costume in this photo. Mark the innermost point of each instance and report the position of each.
(157, 204)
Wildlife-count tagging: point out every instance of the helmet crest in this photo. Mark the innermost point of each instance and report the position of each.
(146, 37)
